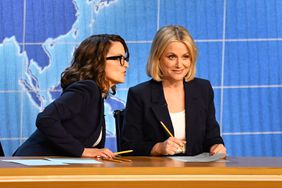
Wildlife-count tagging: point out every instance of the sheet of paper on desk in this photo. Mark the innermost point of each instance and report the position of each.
(203, 157)
(75, 160)
(34, 162)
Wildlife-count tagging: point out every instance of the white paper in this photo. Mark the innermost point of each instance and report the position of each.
(34, 162)
(75, 160)
(203, 157)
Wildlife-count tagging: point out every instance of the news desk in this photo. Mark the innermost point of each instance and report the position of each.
(148, 172)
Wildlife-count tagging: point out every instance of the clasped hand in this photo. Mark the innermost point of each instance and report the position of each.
(171, 146)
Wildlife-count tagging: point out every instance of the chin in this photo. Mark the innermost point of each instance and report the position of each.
(178, 78)
(119, 81)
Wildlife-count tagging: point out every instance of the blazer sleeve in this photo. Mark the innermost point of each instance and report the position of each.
(133, 133)
(212, 128)
(70, 104)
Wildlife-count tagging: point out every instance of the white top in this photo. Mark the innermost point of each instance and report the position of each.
(99, 139)
(178, 123)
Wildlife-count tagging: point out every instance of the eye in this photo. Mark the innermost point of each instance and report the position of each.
(186, 57)
(126, 57)
(171, 57)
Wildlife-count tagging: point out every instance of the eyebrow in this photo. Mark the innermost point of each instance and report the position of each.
(172, 53)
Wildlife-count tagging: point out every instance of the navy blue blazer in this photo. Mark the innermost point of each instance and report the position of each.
(69, 124)
(146, 107)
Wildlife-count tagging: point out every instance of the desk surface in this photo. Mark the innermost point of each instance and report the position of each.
(148, 171)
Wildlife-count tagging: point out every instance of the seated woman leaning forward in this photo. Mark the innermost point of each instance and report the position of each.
(74, 125)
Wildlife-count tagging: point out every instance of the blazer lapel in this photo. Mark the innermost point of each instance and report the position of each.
(191, 106)
(159, 106)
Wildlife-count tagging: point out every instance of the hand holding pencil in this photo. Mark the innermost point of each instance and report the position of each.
(170, 146)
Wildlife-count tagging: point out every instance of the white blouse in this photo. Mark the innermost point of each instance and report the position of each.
(99, 139)
(178, 123)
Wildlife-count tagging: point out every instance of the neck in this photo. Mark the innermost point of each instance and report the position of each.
(111, 84)
(172, 85)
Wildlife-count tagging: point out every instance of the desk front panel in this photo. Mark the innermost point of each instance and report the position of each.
(148, 171)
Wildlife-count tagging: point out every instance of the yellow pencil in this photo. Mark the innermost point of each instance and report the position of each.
(122, 152)
(166, 129)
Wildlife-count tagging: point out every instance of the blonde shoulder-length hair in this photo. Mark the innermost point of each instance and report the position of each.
(162, 39)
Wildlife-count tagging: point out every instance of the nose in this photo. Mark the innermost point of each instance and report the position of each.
(177, 64)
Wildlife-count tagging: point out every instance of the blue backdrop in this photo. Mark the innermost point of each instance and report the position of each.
(240, 52)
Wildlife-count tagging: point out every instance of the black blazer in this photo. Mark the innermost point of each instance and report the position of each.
(146, 107)
(69, 124)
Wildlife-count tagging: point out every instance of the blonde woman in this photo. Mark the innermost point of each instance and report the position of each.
(175, 98)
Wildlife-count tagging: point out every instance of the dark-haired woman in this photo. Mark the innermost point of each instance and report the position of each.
(74, 125)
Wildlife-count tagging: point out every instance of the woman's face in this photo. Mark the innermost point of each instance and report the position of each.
(175, 62)
(116, 64)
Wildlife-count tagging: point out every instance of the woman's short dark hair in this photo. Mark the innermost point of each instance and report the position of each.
(89, 60)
